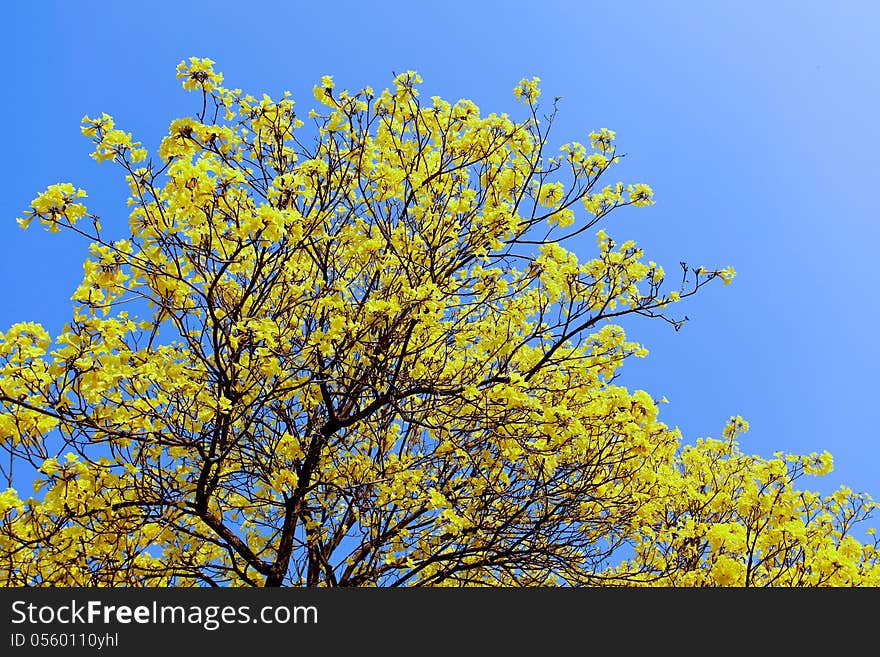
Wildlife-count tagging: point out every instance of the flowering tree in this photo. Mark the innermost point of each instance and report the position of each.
(362, 355)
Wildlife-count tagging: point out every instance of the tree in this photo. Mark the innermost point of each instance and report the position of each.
(368, 359)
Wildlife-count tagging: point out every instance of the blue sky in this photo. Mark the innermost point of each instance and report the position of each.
(755, 122)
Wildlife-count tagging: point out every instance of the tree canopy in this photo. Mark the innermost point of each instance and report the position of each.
(353, 348)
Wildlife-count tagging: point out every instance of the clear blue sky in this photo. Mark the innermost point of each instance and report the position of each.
(755, 122)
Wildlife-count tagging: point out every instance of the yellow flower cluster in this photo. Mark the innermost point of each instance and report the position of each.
(110, 142)
(527, 90)
(56, 207)
(199, 73)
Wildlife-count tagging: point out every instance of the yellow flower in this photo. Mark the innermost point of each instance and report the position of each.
(727, 571)
(602, 139)
(527, 90)
(199, 73)
(9, 500)
(641, 195)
